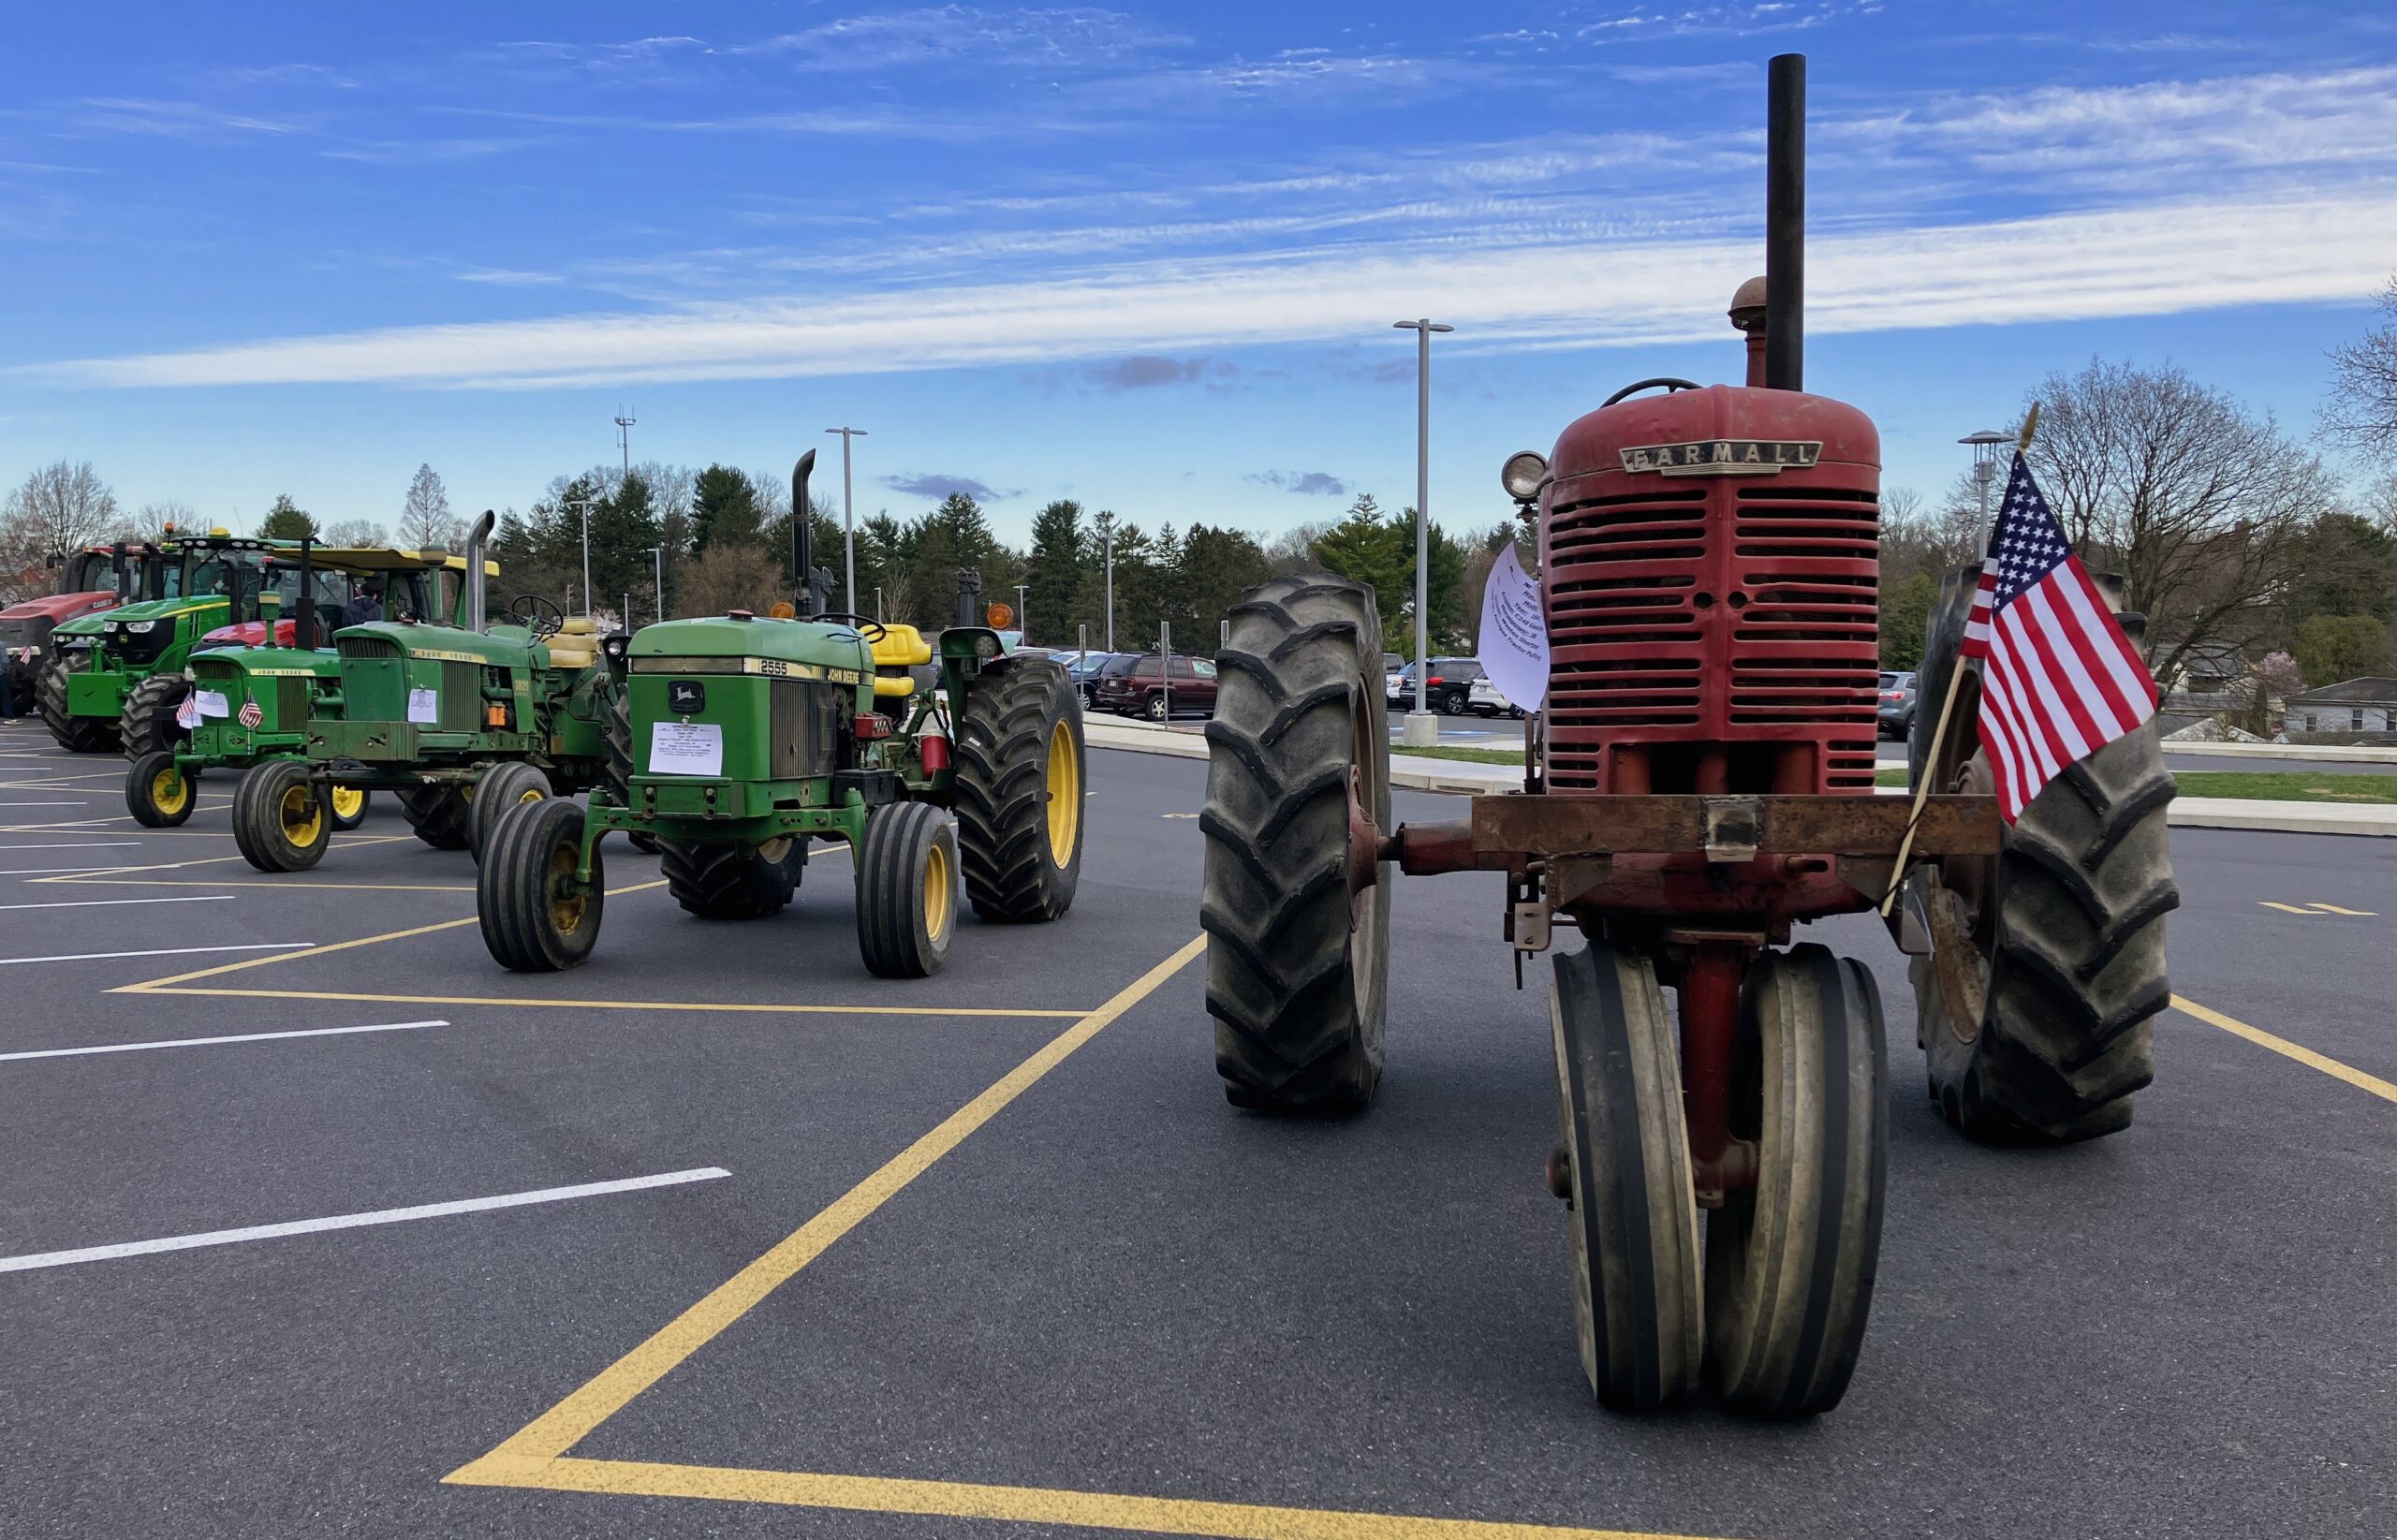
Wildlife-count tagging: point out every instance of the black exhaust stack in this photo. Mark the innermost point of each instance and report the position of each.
(303, 624)
(1785, 224)
(802, 536)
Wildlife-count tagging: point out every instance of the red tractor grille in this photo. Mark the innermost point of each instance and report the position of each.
(1719, 634)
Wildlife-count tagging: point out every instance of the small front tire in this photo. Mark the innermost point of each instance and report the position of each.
(907, 887)
(534, 916)
(280, 819)
(508, 784)
(157, 792)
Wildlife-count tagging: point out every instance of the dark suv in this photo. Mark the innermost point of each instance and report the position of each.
(1134, 684)
(1448, 691)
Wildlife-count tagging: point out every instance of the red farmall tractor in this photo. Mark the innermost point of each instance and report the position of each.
(1700, 780)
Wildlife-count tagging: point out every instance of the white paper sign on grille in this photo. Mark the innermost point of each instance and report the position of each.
(1514, 634)
(685, 748)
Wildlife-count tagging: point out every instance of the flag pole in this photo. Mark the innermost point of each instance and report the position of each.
(1946, 710)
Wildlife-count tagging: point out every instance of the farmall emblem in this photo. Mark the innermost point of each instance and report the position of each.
(1724, 457)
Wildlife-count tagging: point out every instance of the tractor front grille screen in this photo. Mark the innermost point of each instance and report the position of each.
(805, 717)
(462, 697)
(1712, 637)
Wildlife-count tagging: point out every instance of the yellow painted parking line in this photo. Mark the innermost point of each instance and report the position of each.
(537, 1455)
(348, 843)
(564, 1424)
(2358, 914)
(2285, 908)
(1022, 1504)
(703, 1006)
(2297, 1052)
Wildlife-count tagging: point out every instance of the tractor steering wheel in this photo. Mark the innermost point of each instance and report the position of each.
(537, 615)
(862, 623)
(1667, 381)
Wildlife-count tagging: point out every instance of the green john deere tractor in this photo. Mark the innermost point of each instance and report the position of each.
(454, 720)
(251, 687)
(753, 736)
(93, 694)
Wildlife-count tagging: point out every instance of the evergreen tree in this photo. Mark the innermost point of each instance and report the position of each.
(287, 520)
(1053, 576)
(1212, 569)
(624, 526)
(724, 507)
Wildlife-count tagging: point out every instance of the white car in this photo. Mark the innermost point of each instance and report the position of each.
(1485, 700)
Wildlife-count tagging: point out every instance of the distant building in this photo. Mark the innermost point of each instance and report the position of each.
(2367, 705)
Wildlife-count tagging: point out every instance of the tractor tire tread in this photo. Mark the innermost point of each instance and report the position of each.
(75, 734)
(730, 880)
(1000, 793)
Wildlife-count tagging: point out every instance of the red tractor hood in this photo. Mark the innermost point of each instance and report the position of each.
(252, 633)
(61, 606)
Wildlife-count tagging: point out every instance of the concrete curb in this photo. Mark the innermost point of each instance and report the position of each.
(1469, 777)
(2362, 754)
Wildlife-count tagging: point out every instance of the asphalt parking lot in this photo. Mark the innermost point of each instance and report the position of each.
(720, 1235)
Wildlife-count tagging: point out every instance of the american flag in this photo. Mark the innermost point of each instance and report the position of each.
(2059, 679)
(250, 714)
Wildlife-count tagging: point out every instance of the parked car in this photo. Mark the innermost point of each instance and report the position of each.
(1134, 684)
(1448, 691)
(1486, 700)
(1083, 669)
(1897, 705)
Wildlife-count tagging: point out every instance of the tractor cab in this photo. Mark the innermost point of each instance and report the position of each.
(87, 581)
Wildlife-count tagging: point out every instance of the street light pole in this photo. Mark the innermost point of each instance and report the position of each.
(1984, 445)
(584, 504)
(1022, 623)
(1108, 529)
(657, 561)
(1420, 728)
(849, 517)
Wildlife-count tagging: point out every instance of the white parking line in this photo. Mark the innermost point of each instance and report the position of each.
(51, 871)
(211, 1042)
(351, 1222)
(78, 801)
(109, 903)
(162, 951)
(88, 845)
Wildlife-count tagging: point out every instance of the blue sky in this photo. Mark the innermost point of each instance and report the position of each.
(1146, 257)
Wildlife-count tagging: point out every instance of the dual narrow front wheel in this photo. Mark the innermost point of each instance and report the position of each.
(1771, 1304)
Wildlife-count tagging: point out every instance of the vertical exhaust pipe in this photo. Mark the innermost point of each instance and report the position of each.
(1785, 224)
(475, 540)
(303, 621)
(802, 533)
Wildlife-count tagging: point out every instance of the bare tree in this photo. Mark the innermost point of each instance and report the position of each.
(2363, 384)
(55, 510)
(727, 575)
(426, 522)
(2197, 502)
(356, 531)
(152, 518)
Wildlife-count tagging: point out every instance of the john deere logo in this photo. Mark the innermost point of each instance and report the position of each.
(687, 696)
(1724, 457)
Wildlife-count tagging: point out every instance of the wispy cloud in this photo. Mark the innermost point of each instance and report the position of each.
(1072, 37)
(2151, 260)
(1143, 370)
(432, 152)
(174, 119)
(937, 487)
(1306, 483)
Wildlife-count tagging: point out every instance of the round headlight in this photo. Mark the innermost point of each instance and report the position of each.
(1523, 473)
(987, 646)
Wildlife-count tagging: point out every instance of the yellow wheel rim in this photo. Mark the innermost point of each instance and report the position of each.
(303, 819)
(1065, 794)
(168, 792)
(567, 905)
(938, 901)
(348, 802)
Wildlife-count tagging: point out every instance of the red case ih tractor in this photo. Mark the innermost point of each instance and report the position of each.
(1700, 778)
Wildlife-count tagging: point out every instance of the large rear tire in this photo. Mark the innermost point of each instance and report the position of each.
(733, 881)
(1790, 1263)
(1019, 785)
(145, 724)
(1632, 1205)
(1296, 961)
(438, 814)
(2045, 1029)
(907, 887)
(617, 779)
(75, 734)
(535, 917)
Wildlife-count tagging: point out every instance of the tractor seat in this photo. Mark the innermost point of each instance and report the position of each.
(899, 649)
(575, 645)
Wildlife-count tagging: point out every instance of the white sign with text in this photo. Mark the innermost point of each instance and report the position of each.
(1514, 634)
(685, 748)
